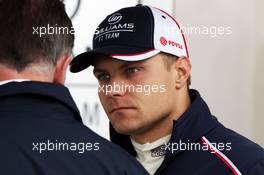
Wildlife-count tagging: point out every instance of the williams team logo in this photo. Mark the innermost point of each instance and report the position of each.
(115, 18)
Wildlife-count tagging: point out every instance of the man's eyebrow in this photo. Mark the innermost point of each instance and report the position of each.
(129, 63)
(122, 66)
(98, 70)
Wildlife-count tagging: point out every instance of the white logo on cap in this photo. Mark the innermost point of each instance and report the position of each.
(115, 18)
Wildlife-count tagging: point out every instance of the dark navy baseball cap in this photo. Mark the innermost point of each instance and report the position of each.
(134, 34)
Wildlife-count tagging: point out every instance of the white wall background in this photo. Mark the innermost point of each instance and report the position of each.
(227, 68)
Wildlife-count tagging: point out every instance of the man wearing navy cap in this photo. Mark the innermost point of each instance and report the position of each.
(142, 64)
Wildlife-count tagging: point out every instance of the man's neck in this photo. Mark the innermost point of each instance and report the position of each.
(11, 74)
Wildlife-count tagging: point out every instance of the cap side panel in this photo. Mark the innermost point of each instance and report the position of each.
(168, 37)
(185, 43)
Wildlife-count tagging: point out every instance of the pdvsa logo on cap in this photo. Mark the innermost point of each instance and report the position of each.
(163, 41)
(166, 42)
(115, 18)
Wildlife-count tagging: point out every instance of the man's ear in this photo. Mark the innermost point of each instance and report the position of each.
(183, 70)
(61, 69)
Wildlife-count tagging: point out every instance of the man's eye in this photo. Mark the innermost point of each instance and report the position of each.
(132, 70)
(103, 77)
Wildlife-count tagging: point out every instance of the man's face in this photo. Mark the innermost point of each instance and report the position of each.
(144, 98)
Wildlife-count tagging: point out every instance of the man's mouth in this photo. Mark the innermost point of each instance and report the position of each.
(120, 109)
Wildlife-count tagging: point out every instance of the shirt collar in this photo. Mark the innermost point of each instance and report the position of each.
(152, 145)
(13, 80)
(41, 89)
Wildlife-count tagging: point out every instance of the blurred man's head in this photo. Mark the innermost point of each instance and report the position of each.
(36, 40)
(141, 61)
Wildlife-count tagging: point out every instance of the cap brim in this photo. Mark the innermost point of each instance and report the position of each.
(124, 53)
(83, 61)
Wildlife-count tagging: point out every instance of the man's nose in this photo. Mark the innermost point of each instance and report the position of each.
(116, 88)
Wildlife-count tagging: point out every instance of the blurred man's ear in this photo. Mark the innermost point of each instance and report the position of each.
(61, 69)
(183, 70)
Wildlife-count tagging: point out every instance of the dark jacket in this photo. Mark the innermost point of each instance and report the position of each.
(41, 133)
(218, 151)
